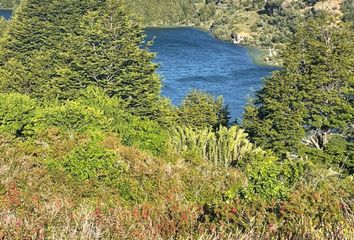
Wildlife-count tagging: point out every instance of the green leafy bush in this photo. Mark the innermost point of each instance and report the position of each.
(336, 154)
(71, 116)
(293, 170)
(200, 110)
(133, 130)
(145, 134)
(16, 113)
(92, 161)
(264, 178)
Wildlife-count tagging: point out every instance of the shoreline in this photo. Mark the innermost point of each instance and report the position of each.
(257, 54)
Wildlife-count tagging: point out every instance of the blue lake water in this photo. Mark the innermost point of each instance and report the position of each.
(5, 13)
(193, 59)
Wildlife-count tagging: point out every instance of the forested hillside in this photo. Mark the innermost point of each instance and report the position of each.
(265, 24)
(89, 149)
(256, 22)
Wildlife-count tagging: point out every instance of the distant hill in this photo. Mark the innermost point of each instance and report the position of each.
(263, 23)
(253, 22)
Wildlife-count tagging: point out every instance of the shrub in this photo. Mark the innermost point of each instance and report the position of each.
(144, 134)
(225, 146)
(337, 154)
(264, 178)
(340, 153)
(71, 116)
(201, 110)
(16, 113)
(91, 161)
(133, 130)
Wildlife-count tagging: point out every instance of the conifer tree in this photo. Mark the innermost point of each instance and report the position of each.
(106, 52)
(54, 48)
(312, 96)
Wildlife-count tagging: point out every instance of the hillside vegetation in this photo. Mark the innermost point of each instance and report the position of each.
(265, 24)
(9, 3)
(89, 149)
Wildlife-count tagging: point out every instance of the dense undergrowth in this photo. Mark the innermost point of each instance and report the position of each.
(90, 150)
(71, 170)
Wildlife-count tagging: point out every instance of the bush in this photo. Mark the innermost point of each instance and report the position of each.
(340, 153)
(133, 130)
(16, 113)
(264, 178)
(319, 211)
(337, 154)
(92, 161)
(201, 110)
(71, 116)
(144, 134)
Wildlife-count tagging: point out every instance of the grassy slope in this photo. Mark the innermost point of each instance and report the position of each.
(161, 198)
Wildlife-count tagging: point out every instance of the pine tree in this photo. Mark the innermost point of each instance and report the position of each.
(106, 52)
(54, 48)
(312, 97)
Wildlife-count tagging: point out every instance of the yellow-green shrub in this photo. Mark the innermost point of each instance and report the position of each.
(71, 116)
(16, 112)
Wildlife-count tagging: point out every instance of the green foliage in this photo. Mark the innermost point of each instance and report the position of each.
(71, 116)
(262, 23)
(314, 211)
(268, 178)
(94, 110)
(338, 154)
(50, 54)
(91, 161)
(264, 178)
(201, 110)
(116, 63)
(295, 170)
(347, 7)
(85, 146)
(145, 134)
(134, 131)
(167, 12)
(9, 3)
(272, 6)
(312, 96)
(16, 113)
(3, 24)
(224, 147)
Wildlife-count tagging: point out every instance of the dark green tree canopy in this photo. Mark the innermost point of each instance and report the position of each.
(312, 97)
(54, 48)
(200, 109)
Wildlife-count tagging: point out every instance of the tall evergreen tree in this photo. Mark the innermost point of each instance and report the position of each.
(312, 97)
(54, 48)
(106, 52)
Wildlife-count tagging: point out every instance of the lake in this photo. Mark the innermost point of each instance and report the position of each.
(193, 59)
(190, 58)
(6, 13)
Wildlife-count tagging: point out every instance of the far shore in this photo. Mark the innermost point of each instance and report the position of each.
(256, 53)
